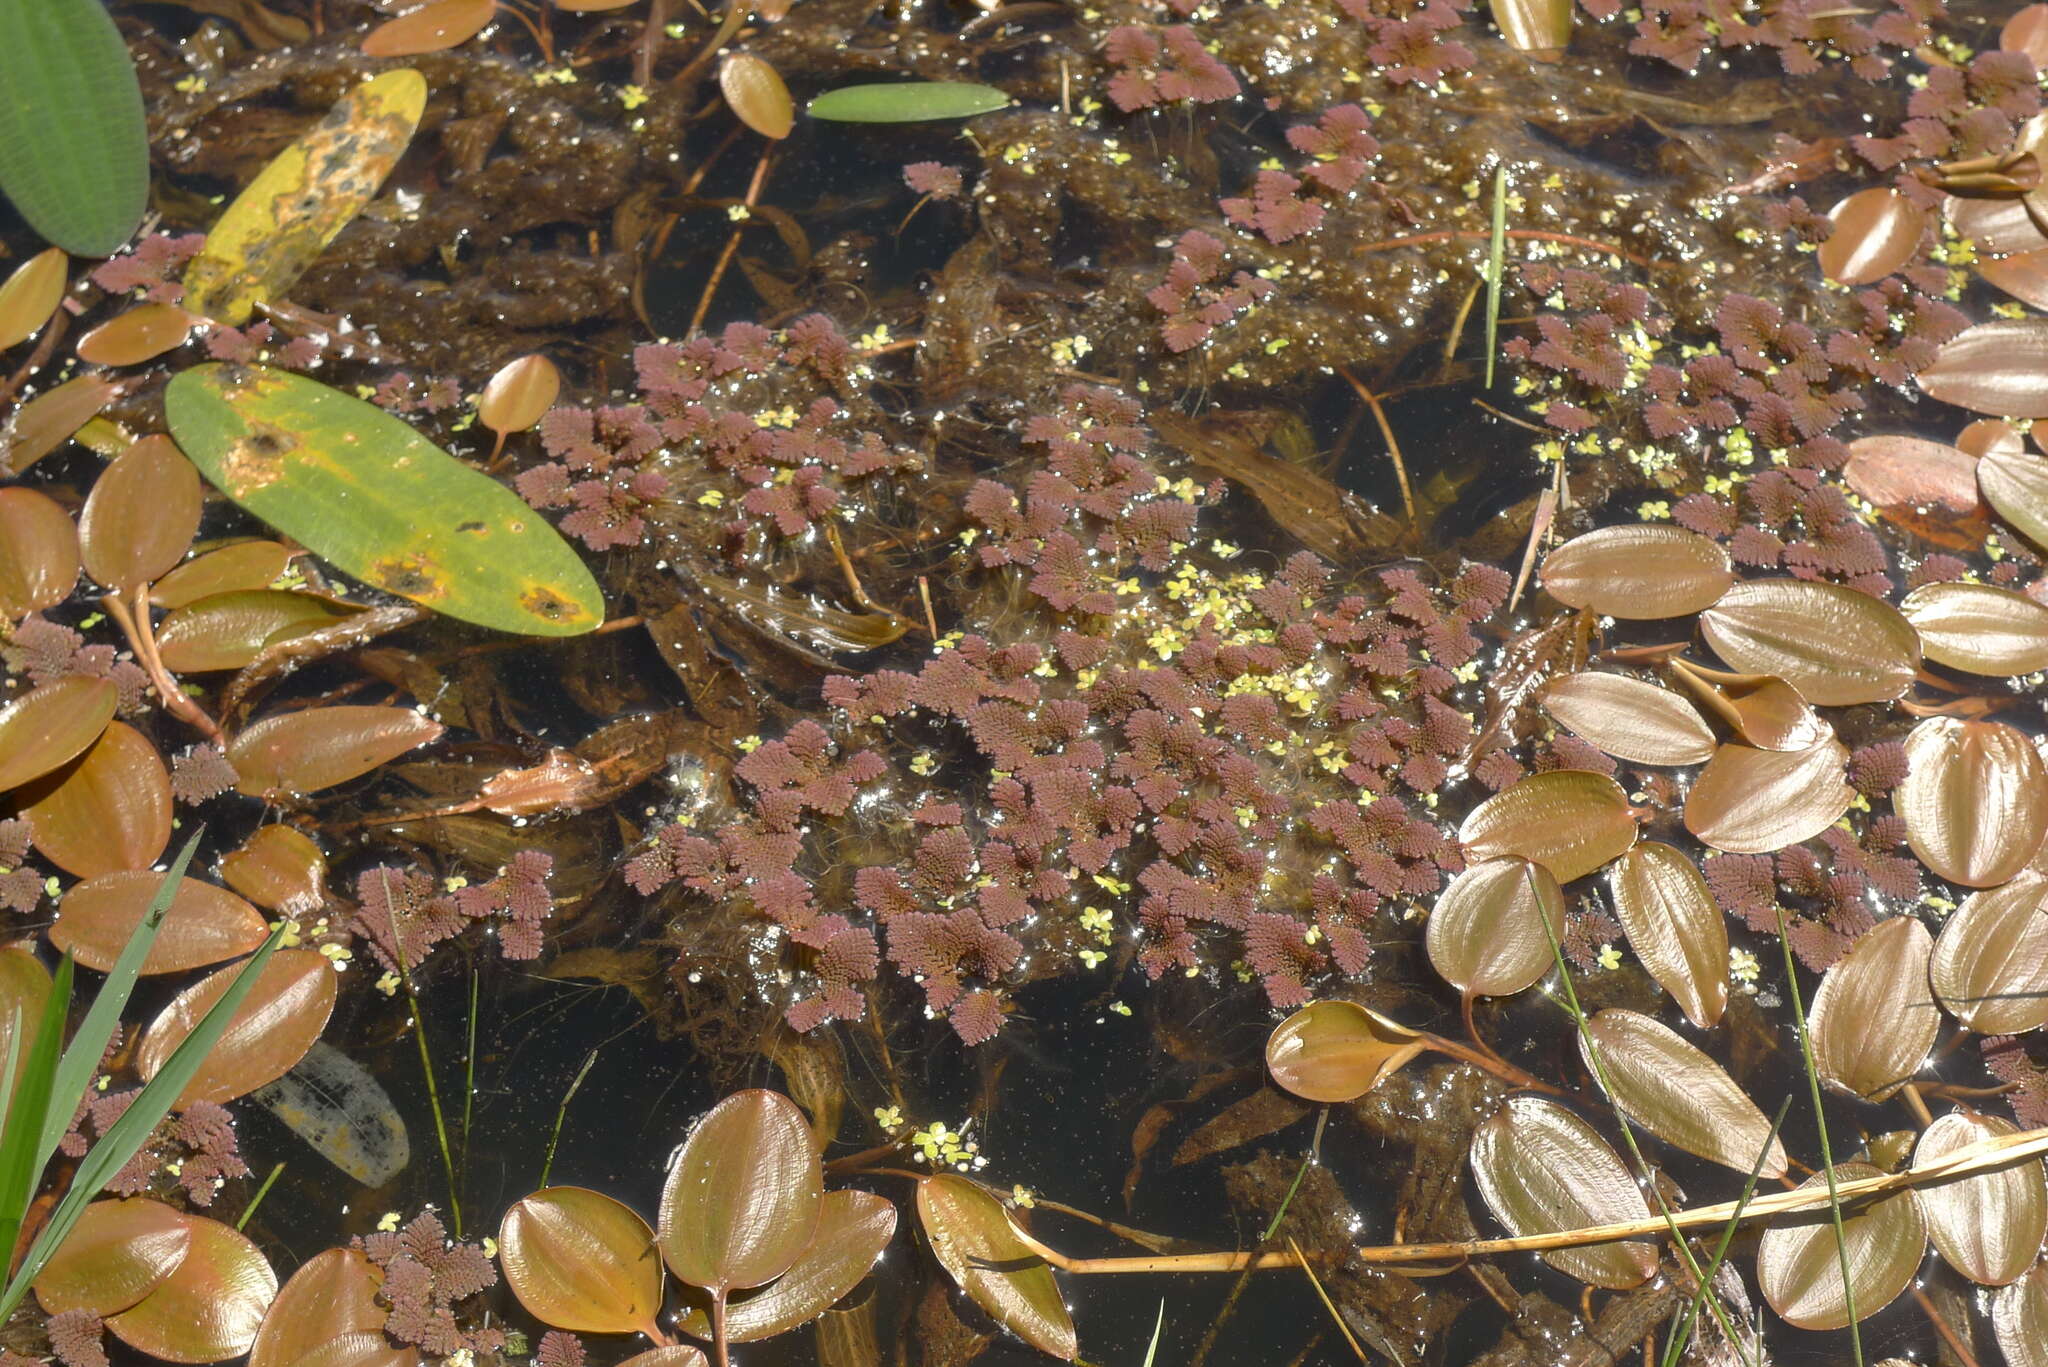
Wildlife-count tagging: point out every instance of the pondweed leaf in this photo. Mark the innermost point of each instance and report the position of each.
(1485, 934)
(519, 394)
(205, 925)
(906, 102)
(1638, 572)
(1800, 1271)
(1975, 799)
(2019, 1317)
(284, 219)
(31, 295)
(1630, 719)
(239, 567)
(285, 1011)
(1675, 927)
(1540, 1169)
(853, 1227)
(365, 491)
(117, 1253)
(1749, 801)
(1571, 821)
(1541, 27)
(1876, 231)
(229, 630)
(757, 95)
(1833, 644)
(741, 1201)
(38, 553)
(52, 724)
(1670, 1088)
(581, 1261)
(295, 753)
(108, 809)
(143, 333)
(1987, 1227)
(210, 1308)
(141, 516)
(1337, 1051)
(1884, 978)
(278, 867)
(1979, 628)
(1999, 367)
(1990, 965)
(433, 27)
(1766, 711)
(74, 150)
(47, 421)
(971, 1237)
(331, 1295)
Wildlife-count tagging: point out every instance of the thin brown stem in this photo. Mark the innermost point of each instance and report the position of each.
(650, 44)
(718, 1346)
(1379, 415)
(134, 623)
(1944, 1328)
(1483, 1057)
(732, 243)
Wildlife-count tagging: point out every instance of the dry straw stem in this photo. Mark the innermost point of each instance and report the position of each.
(1988, 1155)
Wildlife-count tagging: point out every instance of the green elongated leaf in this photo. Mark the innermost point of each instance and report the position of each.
(29, 1110)
(365, 491)
(74, 150)
(139, 1121)
(906, 102)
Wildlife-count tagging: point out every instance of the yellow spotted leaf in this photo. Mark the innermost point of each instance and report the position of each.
(365, 491)
(280, 224)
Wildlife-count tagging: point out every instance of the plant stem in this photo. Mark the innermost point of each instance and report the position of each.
(1820, 1122)
(257, 1199)
(419, 1032)
(1496, 257)
(718, 1328)
(1682, 1328)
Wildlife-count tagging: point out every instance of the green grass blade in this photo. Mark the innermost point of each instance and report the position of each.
(132, 1130)
(1496, 259)
(89, 1045)
(1315, 1149)
(1159, 1327)
(13, 1060)
(1683, 1328)
(34, 1099)
(1820, 1122)
(74, 148)
(254, 1201)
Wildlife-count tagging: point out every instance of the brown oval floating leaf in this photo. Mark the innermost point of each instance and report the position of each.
(1980, 438)
(31, 295)
(1835, 645)
(1987, 1227)
(1670, 1088)
(1540, 28)
(1979, 628)
(1876, 232)
(47, 421)
(853, 1227)
(1995, 225)
(52, 724)
(741, 1200)
(1638, 571)
(2019, 1317)
(241, 567)
(1630, 719)
(230, 630)
(358, 1348)
(433, 27)
(108, 809)
(279, 869)
(210, 1308)
(1990, 966)
(331, 1295)
(1999, 367)
(971, 1237)
(205, 925)
(1764, 710)
(38, 553)
(519, 395)
(141, 516)
(1337, 1051)
(756, 93)
(143, 333)
(1571, 821)
(272, 1029)
(1675, 927)
(2015, 484)
(1883, 978)
(1485, 936)
(1541, 1169)
(1759, 801)
(117, 1253)
(2027, 31)
(2024, 277)
(303, 752)
(580, 1261)
(1975, 800)
(1910, 472)
(1799, 1267)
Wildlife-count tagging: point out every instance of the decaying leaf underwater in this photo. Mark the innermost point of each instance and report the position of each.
(1061, 589)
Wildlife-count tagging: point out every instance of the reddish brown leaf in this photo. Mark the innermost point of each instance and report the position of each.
(1876, 232)
(143, 333)
(1764, 710)
(278, 868)
(47, 421)
(303, 752)
(1541, 1169)
(205, 925)
(519, 395)
(1675, 927)
(1979, 628)
(117, 1253)
(1638, 571)
(1833, 644)
(433, 27)
(332, 1294)
(2015, 483)
(1571, 821)
(581, 1261)
(1975, 800)
(1759, 801)
(741, 1200)
(1883, 978)
(1630, 719)
(52, 724)
(230, 630)
(141, 516)
(31, 295)
(1987, 1227)
(971, 1237)
(1337, 1051)
(210, 1308)
(1908, 472)
(853, 1227)
(757, 95)
(272, 1029)
(240, 567)
(1666, 1085)
(1990, 966)
(108, 809)
(1485, 935)
(1999, 367)
(38, 553)
(1799, 1263)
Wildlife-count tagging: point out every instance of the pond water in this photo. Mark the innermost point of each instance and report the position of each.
(1058, 567)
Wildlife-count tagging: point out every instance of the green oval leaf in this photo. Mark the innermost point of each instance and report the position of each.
(365, 491)
(907, 102)
(74, 150)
